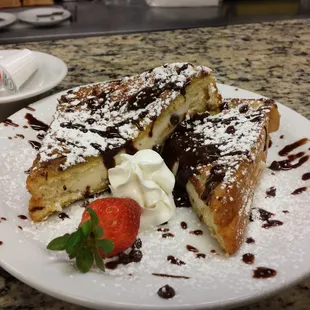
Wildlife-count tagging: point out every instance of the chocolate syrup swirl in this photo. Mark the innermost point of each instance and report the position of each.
(287, 164)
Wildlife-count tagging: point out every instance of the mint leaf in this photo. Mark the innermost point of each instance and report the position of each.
(86, 228)
(99, 260)
(58, 244)
(84, 259)
(94, 217)
(98, 231)
(74, 240)
(105, 245)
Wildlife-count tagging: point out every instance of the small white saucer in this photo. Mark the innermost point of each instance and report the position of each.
(6, 19)
(44, 16)
(50, 73)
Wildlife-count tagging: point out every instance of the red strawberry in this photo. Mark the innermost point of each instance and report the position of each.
(120, 220)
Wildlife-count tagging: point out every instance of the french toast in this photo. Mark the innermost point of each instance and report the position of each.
(94, 124)
(218, 159)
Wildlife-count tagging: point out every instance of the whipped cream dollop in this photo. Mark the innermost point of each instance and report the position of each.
(145, 178)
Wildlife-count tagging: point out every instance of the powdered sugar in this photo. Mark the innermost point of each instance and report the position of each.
(104, 117)
(212, 280)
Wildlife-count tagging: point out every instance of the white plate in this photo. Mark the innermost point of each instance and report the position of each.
(6, 19)
(214, 282)
(50, 73)
(36, 16)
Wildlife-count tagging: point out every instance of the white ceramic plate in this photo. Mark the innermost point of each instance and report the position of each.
(50, 73)
(6, 19)
(215, 281)
(44, 16)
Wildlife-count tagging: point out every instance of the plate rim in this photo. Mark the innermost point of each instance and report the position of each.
(21, 17)
(29, 94)
(8, 22)
(228, 303)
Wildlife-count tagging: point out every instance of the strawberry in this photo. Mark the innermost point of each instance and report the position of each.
(108, 227)
(120, 220)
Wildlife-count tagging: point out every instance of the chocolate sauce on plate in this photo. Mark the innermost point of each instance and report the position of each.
(248, 258)
(192, 249)
(23, 217)
(287, 164)
(63, 215)
(29, 108)
(263, 273)
(35, 144)
(3, 219)
(18, 135)
(21, 228)
(167, 235)
(163, 275)
(163, 229)
(166, 292)
(272, 223)
(250, 240)
(264, 215)
(282, 136)
(8, 122)
(196, 232)
(271, 192)
(184, 225)
(201, 255)
(290, 147)
(175, 261)
(299, 190)
(1, 242)
(36, 124)
(306, 176)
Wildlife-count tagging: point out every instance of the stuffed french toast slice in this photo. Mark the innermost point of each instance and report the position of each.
(94, 124)
(218, 160)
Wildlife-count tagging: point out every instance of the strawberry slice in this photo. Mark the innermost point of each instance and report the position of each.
(120, 220)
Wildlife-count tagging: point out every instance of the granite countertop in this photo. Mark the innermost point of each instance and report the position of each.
(272, 59)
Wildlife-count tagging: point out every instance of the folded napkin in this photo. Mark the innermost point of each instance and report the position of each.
(17, 68)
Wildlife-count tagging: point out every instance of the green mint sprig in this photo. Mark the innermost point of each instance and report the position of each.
(84, 244)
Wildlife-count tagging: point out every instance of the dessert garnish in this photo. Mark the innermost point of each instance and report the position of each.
(145, 178)
(108, 227)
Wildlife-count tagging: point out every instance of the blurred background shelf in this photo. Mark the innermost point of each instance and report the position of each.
(107, 17)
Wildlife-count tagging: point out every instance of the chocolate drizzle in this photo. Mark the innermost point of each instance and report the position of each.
(287, 164)
(164, 275)
(35, 144)
(175, 261)
(36, 124)
(166, 292)
(8, 122)
(306, 176)
(289, 148)
(214, 144)
(271, 192)
(248, 258)
(196, 232)
(23, 217)
(192, 248)
(299, 190)
(263, 273)
(63, 216)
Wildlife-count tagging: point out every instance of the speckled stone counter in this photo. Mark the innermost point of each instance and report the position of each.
(272, 59)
